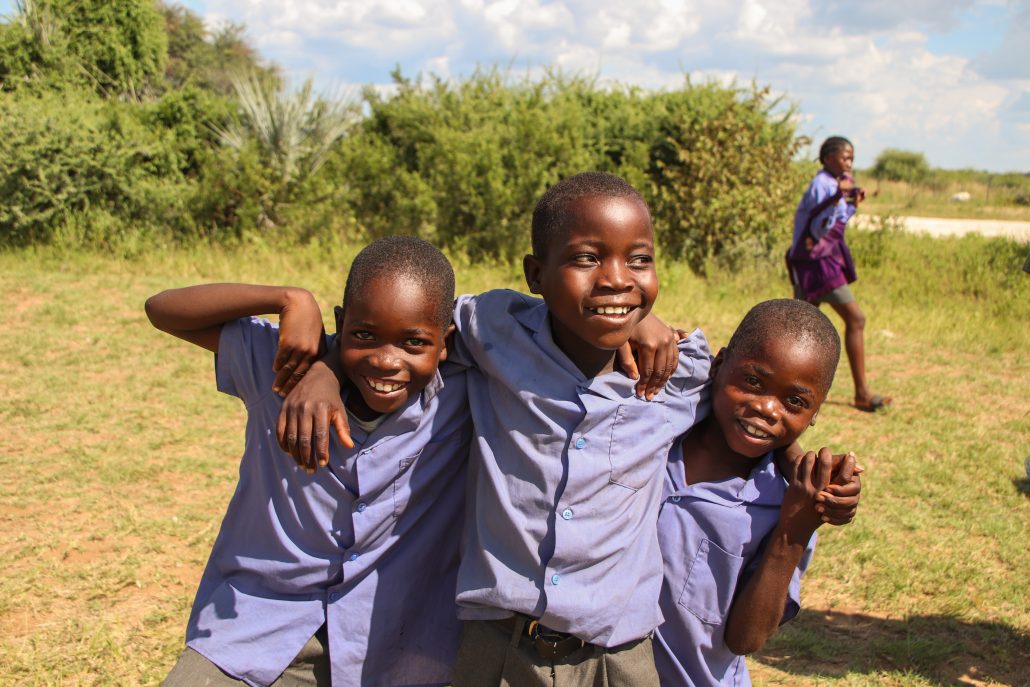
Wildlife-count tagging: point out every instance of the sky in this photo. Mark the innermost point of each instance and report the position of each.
(948, 78)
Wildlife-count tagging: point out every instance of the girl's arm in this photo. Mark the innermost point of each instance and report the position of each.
(197, 314)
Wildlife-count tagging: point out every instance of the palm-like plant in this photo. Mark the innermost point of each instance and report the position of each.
(294, 132)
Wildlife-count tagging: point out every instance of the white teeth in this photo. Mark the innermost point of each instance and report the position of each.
(612, 310)
(383, 386)
(755, 432)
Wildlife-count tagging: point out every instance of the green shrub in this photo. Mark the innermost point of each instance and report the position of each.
(69, 159)
(463, 163)
(901, 165)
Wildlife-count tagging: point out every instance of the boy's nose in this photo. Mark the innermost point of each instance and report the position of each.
(615, 276)
(768, 407)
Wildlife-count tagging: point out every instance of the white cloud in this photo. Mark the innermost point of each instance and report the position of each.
(863, 69)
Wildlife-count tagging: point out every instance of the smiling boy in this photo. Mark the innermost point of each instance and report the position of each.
(561, 570)
(344, 575)
(735, 536)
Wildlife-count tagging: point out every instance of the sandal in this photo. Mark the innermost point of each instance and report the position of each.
(877, 402)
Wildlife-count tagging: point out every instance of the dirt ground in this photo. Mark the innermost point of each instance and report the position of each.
(936, 226)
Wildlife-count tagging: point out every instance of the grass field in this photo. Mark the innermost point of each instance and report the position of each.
(119, 457)
(934, 198)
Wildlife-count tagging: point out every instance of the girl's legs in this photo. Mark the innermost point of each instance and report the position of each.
(854, 345)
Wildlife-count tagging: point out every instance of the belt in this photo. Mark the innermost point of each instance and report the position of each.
(549, 644)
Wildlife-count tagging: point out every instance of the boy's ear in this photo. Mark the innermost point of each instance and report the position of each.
(448, 337)
(814, 416)
(338, 313)
(717, 362)
(531, 267)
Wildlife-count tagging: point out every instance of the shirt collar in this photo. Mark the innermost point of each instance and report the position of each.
(614, 385)
(765, 485)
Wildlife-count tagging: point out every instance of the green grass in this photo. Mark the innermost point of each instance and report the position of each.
(997, 200)
(119, 457)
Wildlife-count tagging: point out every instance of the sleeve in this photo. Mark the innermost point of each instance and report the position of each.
(822, 190)
(686, 392)
(460, 352)
(243, 364)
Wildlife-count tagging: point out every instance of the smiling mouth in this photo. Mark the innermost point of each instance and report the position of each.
(612, 309)
(753, 431)
(382, 385)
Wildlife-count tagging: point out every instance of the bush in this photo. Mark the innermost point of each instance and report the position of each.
(463, 163)
(900, 165)
(70, 159)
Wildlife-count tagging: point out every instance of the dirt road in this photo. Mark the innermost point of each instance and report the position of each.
(936, 226)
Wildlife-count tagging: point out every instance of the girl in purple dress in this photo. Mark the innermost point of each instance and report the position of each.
(819, 261)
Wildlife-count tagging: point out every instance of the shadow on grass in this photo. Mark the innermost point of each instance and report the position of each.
(941, 649)
(1022, 485)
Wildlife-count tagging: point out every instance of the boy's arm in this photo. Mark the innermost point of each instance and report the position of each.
(197, 314)
(311, 409)
(657, 355)
(758, 608)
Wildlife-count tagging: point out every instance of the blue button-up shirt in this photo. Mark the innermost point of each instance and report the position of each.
(565, 476)
(712, 534)
(368, 546)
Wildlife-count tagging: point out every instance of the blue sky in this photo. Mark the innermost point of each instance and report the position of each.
(949, 78)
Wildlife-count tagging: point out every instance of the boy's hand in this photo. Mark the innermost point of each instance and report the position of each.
(838, 502)
(657, 355)
(808, 476)
(301, 340)
(306, 416)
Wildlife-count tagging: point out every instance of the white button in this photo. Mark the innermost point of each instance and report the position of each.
(567, 514)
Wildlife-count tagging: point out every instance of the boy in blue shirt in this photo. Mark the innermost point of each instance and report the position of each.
(345, 572)
(735, 535)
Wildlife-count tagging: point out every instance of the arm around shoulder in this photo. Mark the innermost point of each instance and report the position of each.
(197, 313)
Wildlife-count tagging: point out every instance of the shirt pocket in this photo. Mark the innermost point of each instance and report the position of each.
(631, 466)
(402, 484)
(711, 580)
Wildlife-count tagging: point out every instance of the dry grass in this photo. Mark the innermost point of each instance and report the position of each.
(119, 457)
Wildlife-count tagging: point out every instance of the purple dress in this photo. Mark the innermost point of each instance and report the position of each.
(819, 259)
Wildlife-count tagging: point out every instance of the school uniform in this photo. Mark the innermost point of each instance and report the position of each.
(564, 478)
(819, 260)
(711, 536)
(366, 548)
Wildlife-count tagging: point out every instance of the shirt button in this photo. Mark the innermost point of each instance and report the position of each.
(352, 557)
(675, 499)
(362, 507)
(555, 578)
(567, 514)
(581, 442)
(334, 596)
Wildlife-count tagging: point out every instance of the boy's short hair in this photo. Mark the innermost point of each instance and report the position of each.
(410, 257)
(551, 211)
(789, 317)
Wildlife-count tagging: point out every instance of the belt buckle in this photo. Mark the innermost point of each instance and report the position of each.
(546, 643)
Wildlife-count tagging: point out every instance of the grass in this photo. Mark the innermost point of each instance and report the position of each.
(119, 457)
(989, 198)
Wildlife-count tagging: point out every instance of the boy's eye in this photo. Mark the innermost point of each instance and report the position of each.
(752, 380)
(584, 259)
(797, 402)
(415, 343)
(641, 260)
(362, 335)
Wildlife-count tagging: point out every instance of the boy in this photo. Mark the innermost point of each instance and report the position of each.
(560, 570)
(348, 571)
(735, 536)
